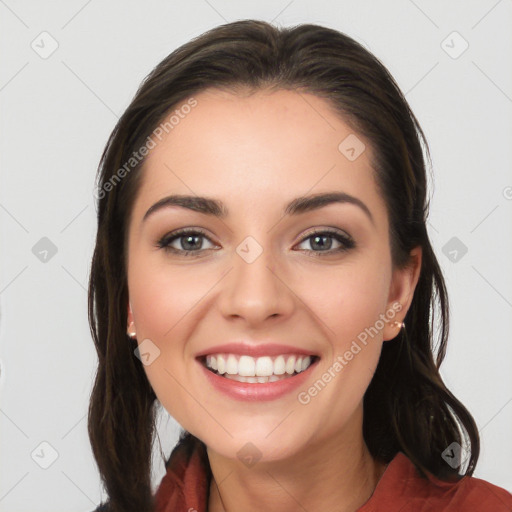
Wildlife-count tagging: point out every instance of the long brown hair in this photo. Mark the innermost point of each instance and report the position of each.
(407, 407)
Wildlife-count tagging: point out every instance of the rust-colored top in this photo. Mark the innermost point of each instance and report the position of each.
(185, 487)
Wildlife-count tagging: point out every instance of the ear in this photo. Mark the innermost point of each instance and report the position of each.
(403, 284)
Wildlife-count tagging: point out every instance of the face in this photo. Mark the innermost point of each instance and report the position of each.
(306, 294)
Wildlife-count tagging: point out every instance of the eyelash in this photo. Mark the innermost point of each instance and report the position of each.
(164, 243)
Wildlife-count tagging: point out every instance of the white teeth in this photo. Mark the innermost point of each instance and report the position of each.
(246, 366)
(279, 365)
(260, 369)
(290, 365)
(232, 365)
(253, 380)
(264, 367)
(221, 364)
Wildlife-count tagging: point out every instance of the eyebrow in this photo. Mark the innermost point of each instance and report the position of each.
(216, 208)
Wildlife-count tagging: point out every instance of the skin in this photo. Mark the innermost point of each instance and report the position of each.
(256, 153)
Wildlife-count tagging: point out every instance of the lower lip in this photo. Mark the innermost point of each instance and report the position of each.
(257, 391)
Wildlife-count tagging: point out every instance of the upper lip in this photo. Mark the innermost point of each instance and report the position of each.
(254, 349)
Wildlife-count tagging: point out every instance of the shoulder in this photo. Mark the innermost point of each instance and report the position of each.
(403, 488)
(468, 494)
(482, 496)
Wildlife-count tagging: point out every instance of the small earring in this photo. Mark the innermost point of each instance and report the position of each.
(131, 333)
(398, 324)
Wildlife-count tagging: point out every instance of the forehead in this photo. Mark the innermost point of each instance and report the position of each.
(258, 149)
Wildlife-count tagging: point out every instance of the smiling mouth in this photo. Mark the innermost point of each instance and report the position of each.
(257, 370)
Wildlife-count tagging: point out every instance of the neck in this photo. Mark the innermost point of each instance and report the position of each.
(336, 473)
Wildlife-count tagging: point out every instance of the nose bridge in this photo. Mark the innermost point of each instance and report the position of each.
(253, 289)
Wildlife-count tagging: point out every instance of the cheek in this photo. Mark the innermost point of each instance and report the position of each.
(348, 299)
(350, 306)
(162, 297)
(164, 301)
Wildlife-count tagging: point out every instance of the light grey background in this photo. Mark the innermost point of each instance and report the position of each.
(56, 114)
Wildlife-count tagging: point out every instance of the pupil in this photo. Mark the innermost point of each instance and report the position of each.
(322, 245)
(187, 239)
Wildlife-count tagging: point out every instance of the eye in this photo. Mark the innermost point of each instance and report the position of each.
(189, 242)
(323, 241)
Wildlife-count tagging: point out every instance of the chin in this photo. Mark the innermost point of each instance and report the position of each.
(251, 450)
(259, 442)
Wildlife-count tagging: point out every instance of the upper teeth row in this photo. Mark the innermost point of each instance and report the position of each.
(247, 366)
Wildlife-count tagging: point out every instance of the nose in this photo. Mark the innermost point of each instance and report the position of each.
(255, 291)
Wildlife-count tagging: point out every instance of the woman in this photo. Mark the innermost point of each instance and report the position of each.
(263, 271)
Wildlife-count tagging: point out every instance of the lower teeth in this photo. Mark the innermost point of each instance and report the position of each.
(260, 380)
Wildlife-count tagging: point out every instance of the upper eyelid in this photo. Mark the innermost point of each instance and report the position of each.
(328, 230)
